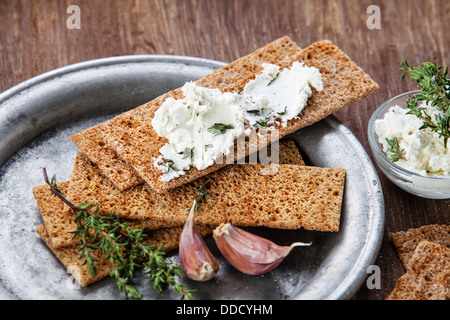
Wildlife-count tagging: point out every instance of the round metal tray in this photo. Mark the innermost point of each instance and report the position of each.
(38, 116)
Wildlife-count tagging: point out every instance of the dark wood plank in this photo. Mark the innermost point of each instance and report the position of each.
(34, 39)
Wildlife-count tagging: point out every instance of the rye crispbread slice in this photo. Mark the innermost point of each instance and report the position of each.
(48, 204)
(53, 214)
(69, 257)
(133, 139)
(407, 241)
(428, 275)
(58, 219)
(91, 141)
(296, 196)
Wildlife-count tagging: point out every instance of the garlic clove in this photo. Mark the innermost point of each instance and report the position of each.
(249, 253)
(196, 259)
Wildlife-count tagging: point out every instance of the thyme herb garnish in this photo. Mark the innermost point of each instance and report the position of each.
(124, 247)
(284, 112)
(219, 128)
(435, 91)
(188, 153)
(256, 111)
(202, 194)
(261, 123)
(170, 166)
(275, 78)
(394, 148)
(54, 184)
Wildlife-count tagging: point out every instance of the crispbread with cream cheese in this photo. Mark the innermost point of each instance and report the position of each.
(133, 139)
(92, 141)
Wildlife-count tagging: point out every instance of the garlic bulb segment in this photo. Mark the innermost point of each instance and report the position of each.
(249, 253)
(196, 259)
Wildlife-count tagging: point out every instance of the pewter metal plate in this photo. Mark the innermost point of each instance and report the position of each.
(38, 116)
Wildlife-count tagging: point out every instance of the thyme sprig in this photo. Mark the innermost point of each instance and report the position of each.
(170, 165)
(202, 194)
(262, 123)
(435, 91)
(283, 112)
(188, 153)
(275, 78)
(219, 128)
(123, 246)
(54, 184)
(394, 148)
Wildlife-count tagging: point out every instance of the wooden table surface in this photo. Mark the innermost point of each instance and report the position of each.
(35, 38)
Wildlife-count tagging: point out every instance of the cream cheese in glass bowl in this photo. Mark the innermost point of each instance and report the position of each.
(425, 168)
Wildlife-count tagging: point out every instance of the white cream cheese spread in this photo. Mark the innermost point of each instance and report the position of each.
(186, 124)
(274, 94)
(203, 126)
(423, 150)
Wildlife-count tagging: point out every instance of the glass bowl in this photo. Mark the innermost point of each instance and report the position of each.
(430, 187)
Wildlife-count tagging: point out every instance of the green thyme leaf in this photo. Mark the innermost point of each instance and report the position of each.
(284, 112)
(202, 194)
(219, 128)
(261, 123)
(170, 165)
(188, 153)
(55, 184)
(275, 78)
(394, 148)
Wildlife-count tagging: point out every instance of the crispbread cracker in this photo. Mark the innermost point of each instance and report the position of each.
(69, 258)
(294, 197)
(118, 171)
(133, 139)
(58, 219)
(407, 241)
(55, 218)
(428, 275)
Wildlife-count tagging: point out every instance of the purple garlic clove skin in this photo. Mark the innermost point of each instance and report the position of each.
(249, 253)
(196, 259)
